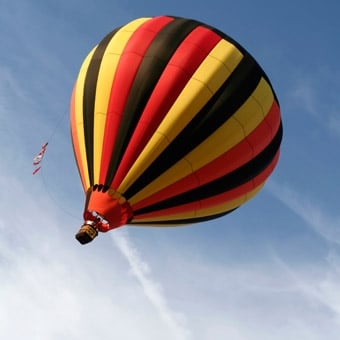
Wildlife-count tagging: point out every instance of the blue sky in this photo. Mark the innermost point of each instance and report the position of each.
(270, 270)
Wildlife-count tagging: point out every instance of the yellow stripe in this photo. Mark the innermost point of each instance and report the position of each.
(79, 120)
(207, 79)
(244, 121)
(106, 76)
(217, 209)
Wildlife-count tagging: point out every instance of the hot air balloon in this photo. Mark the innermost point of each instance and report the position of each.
(172, 122)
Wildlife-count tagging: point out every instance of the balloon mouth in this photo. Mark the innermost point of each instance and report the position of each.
(87, 233)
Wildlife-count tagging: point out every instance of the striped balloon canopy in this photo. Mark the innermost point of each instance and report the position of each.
(172, 122)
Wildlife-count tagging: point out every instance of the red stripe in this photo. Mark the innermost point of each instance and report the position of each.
(215, 200)
(187, 58)
(129, 63)
(239, 155)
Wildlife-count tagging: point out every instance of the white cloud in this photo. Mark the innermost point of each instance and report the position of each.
(334, 122)
(304, 95)
(9, 88)
(261, 301)
(316, 95)
(151, 287)
(319, 287)
(325, 225)
(54, 288)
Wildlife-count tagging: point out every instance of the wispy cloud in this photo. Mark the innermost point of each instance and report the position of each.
(304, 95)
(54, 288)
(334, 122)
(309, 211)
(319, 286)
(152, 289)
(307, 94)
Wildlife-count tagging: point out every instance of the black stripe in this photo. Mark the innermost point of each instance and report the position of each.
(224, 103)
(225, 183)
(89, 96)
(184, 220)
(152, 66)
(245, 53)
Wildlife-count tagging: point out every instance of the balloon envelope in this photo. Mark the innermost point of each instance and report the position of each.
(172, 122)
